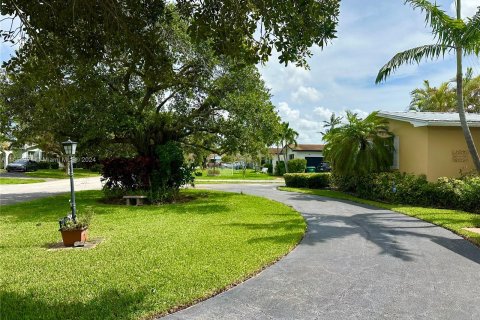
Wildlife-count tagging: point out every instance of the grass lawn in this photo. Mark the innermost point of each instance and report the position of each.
(227, 174)
(60, 173)
(19, 181)
(153, 258)
(453, 220)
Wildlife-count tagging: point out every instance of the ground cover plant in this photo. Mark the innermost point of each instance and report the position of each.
(61, 174)
(227, 174)
(454, 220)
(151, 260)
(19, 181)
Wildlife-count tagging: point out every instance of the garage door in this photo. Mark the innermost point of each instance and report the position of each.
(313, 161)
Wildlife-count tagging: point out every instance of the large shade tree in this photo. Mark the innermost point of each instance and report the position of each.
(360, 146)
(453, 35)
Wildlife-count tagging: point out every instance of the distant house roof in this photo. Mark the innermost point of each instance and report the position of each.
(432, 119)
(299, 147)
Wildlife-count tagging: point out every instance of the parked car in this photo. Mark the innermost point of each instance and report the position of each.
(22, 165)
(324, 167)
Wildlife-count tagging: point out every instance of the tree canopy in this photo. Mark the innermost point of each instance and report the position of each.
(180, 90)
(245, 29)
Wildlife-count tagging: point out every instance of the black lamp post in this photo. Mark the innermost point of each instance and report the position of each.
(70, 148)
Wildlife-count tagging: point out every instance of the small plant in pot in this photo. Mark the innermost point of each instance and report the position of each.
(75, 231)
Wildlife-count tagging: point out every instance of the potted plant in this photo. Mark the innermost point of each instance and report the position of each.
(74, 231)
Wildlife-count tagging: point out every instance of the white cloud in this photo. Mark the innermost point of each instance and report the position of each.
(323, 113)
(306, 94)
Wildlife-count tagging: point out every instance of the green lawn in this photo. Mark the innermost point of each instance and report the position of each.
(19, 181)
(453, 220)
(60, 173)
(153, 258)
(227, 174)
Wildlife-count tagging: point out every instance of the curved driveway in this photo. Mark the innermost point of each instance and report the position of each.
(355, 262)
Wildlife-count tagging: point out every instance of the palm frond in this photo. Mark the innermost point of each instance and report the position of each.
(471, 38)
(442, 24)
(411, 56)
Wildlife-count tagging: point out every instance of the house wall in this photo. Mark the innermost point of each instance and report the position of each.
(448, 154)
(433, 151)
(412, 147)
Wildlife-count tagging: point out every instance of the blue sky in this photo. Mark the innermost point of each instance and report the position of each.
(342, 76)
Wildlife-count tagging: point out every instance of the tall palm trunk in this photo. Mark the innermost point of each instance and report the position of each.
(460, 105)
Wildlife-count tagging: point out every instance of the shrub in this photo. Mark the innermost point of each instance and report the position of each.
(97, 167)
(297, 165)
(43, 165)
(402, 188)
(280, 168)
(307, 180)
(160, 176)
(198, 174)
(269, 167)
(47, 165)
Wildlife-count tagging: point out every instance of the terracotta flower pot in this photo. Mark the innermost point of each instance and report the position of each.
(71, 236)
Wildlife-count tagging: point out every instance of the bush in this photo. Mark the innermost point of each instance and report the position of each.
(47, 165)
(280, 168)
(198, 174)
(402, 188)
(297, 165)
(269, 167)
(97, 167)
(307, 180)
(160, 176)
(43, 165)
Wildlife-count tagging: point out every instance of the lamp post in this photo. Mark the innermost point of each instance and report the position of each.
(70, 148)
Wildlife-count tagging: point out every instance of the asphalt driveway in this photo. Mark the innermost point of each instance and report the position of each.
(355, 262)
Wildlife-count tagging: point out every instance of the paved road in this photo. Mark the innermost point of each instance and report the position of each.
(355, 262)
(11, 193)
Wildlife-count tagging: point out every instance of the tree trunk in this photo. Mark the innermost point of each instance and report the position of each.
(278, 159)
(460, 107)
(285, 158)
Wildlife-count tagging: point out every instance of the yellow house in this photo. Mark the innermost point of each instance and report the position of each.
(432, 143)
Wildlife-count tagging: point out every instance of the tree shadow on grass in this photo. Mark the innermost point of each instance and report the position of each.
(111, 304)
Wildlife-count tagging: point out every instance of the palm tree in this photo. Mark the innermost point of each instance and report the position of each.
(441, 99)
(361, 146)
(288, 137)
(471, 92)
(332, 123)
(453, 35)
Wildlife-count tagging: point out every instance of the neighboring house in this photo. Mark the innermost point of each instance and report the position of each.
(313, 153)
(432, 143)
(32, 153)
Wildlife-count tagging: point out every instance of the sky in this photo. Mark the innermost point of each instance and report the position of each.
(342, 75)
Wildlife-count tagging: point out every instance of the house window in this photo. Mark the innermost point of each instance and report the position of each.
(291, 156)
(396, 153)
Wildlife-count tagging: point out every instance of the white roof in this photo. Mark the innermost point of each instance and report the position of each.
(433, 119)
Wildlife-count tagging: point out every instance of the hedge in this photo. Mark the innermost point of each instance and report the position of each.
(307, 180)
(280, 168)
(401, 188)
(297, 165)
(47, 165)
